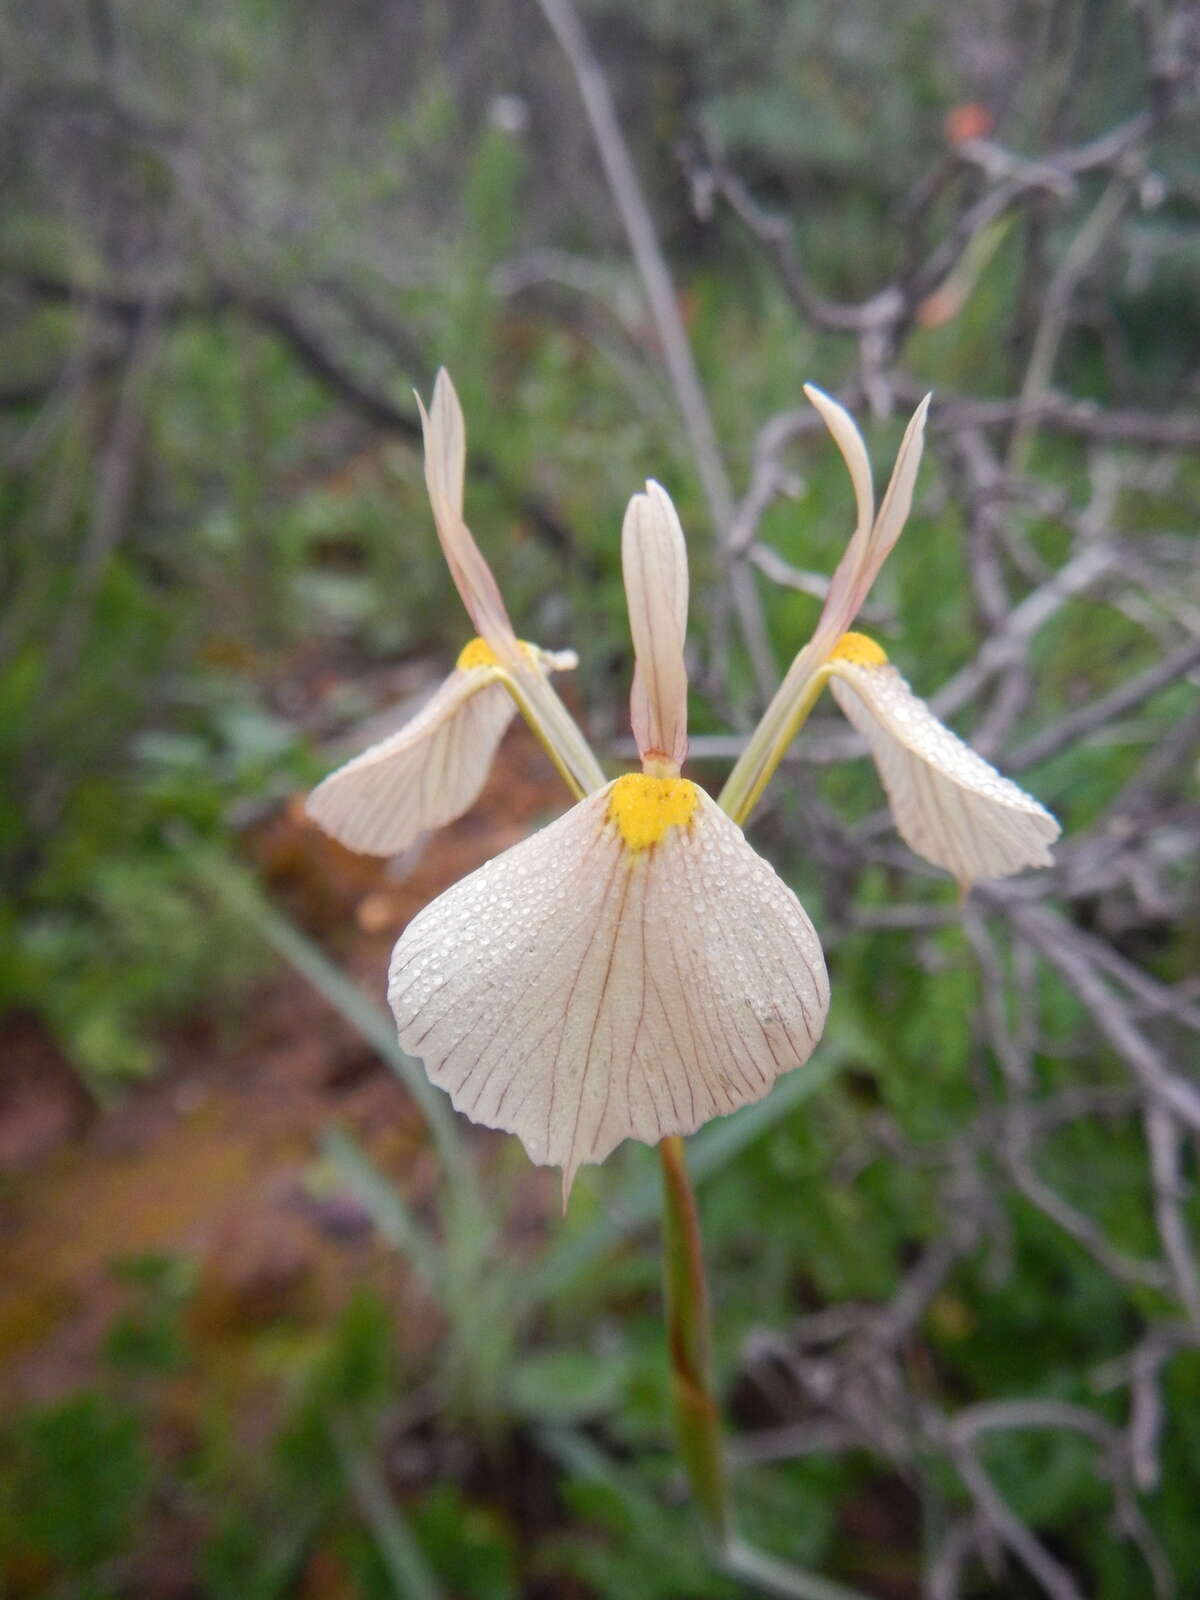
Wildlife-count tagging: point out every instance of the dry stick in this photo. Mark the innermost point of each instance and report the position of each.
(885, 312)
(114, 494)
(1164, 762)
(1015, 688)
(959, 1434)
(1028, 1549)
(1163, 1138)
(986, 512)
(1085, 569)
(774, 233)
(1015, 1142)
(1095, 714)
(660, 292)
(1140, 1369)
(1077, 1225)
(1080, 256)
(948, 1562)
(1106, 151)
(1048, 933)
(1005, 1415)
(1154, 996)
(1080, 418)
(822, 1436)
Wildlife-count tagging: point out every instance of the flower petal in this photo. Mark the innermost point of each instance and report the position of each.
(445, 455)
(874, 538)
(949, 804)
(581, 989)
(425, 775)
(445, 459)
(654, 562)
(849, 441)
(870, 545)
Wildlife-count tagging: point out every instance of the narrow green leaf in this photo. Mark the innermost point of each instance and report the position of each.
(398, 1549)
(229, 884)
(383, 1201)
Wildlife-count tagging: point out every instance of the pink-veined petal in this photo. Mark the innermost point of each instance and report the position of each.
(949, 804)
(654, 563)
(445, 459)
(422, 777)
(577, 991)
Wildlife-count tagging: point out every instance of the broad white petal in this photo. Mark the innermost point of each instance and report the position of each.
(577, 992)
(654, 562)
(445, 457)
(422, 777)
(949, 804)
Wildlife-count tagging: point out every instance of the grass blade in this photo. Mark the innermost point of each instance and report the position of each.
(230, 884)
(385, 1205)
(399, 1551)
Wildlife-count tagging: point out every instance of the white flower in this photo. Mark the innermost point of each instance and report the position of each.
(433, 769)
(949, 804)
(635, 968)
(870, 545)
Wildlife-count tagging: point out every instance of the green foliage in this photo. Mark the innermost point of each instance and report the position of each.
(114, 937)
(149, 1338)
(628, 1541)
(76, 1475)
(468, 1545)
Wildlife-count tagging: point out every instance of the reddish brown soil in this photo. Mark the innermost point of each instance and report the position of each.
(211, 1159)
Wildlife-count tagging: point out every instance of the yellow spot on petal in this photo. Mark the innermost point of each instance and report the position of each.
(479, 653)
(859, 651)
(643, 808)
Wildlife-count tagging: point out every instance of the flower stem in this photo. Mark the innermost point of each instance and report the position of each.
(689, 1342)
(697, 1417)
(782, 720)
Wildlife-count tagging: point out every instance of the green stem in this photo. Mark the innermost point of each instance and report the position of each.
(697, 1415)
(689, 1342)
(688, 1311)
(781, 722)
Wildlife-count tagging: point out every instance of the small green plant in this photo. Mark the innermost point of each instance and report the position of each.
(76, 1477)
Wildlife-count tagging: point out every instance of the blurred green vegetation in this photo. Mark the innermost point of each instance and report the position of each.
(160, 645)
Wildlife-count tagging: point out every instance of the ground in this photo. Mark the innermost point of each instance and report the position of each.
(212, 1161)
